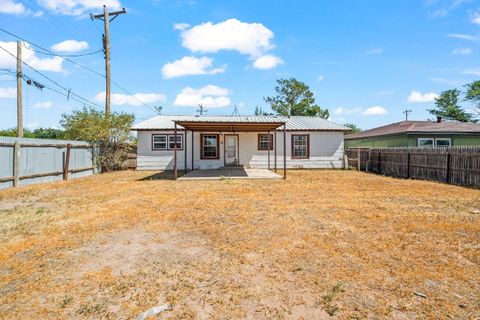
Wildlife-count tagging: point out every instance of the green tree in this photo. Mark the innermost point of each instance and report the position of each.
(39, 133)
(260, 112)
(294, 98)
(473, 95)
(48, 133)
(110, 134)
(447, 106)
(353, 127)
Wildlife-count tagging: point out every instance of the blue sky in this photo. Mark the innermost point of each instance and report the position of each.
(366, 61)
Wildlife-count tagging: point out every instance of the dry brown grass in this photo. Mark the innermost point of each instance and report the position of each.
(344, 243)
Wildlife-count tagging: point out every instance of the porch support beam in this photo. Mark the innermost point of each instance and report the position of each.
(284, 151)
(185, 152)
(269, 146)
(175, 173)
(193, 154)
(275, 151)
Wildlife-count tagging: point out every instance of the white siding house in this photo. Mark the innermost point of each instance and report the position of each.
(311, 142)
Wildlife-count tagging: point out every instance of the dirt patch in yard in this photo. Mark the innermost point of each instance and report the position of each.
(321, 244)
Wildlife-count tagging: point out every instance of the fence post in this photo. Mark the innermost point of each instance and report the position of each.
(448, 167)
(408, 164)
(379, 162)
(359, 167)
(16, 164)
(67, 162)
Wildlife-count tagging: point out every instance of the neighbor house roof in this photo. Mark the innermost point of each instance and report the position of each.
(292, 123)
(411, 127)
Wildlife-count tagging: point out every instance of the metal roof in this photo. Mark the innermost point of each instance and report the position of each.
(292, 123)
(411, 127)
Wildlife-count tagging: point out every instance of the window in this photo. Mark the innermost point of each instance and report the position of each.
(166, 141)
(425, 142)
(209, 146)
(443, 142)
(300, 146)
(265, 142)
(159, 142)
(171, 142)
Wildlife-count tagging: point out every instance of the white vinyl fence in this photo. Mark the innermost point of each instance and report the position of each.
(26, 161)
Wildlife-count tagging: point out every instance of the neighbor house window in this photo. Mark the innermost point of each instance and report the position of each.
(159, 142)
(265, 141)
(425, 142)
(443, 142)
(300, 146)
(209, 146)
(171, 142)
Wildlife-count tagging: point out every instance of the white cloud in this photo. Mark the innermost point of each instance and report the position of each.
(8, 93)
(472, 72)
(180, 26)
(418, 97)
(118, 99)
(53, 64)
(374, 51)
(77, 7)
(190, 66)
(12, 7)
(70, 46)
(476, 17)
(321, 78)
(43, 105)
(267, 62)
(252, 39)
(374, 111)
(210, 96)
(463, 37)
(462, 51)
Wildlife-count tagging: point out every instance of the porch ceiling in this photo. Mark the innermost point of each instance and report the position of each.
(215, 126)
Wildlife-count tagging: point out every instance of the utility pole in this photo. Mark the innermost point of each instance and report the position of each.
(201, 109)
(106, 49)
(19, 91)
(407, 112)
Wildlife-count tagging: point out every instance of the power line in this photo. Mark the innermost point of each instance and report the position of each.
(64, 55)
(79, 65)
(53, 81)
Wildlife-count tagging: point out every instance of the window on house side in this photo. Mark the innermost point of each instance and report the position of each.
(443, 142)
(210, 146)
(159, 142)
(265, 141)
(425, 142)
(171, 142)
(300, 146)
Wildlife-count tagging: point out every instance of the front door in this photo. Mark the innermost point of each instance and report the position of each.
(231, 150)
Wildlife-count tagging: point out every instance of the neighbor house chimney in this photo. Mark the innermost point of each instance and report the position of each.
(439, 119)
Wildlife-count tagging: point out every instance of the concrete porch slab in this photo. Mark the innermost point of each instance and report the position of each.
(230, 173)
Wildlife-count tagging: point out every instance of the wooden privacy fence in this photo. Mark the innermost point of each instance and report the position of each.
(26, 161)
(455, 165)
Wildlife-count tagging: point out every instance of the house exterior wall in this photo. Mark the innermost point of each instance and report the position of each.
(326, 151)
(410, 140)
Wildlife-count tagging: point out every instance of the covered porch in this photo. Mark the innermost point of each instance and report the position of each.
(231, 128)
(230, 173)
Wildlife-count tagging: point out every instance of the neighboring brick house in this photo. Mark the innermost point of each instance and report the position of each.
(417, 134)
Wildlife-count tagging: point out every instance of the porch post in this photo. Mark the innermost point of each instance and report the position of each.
(285, 151)
(185, 151)
(175, 152)
(275, 154)
(193, 153)
(269, 146)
